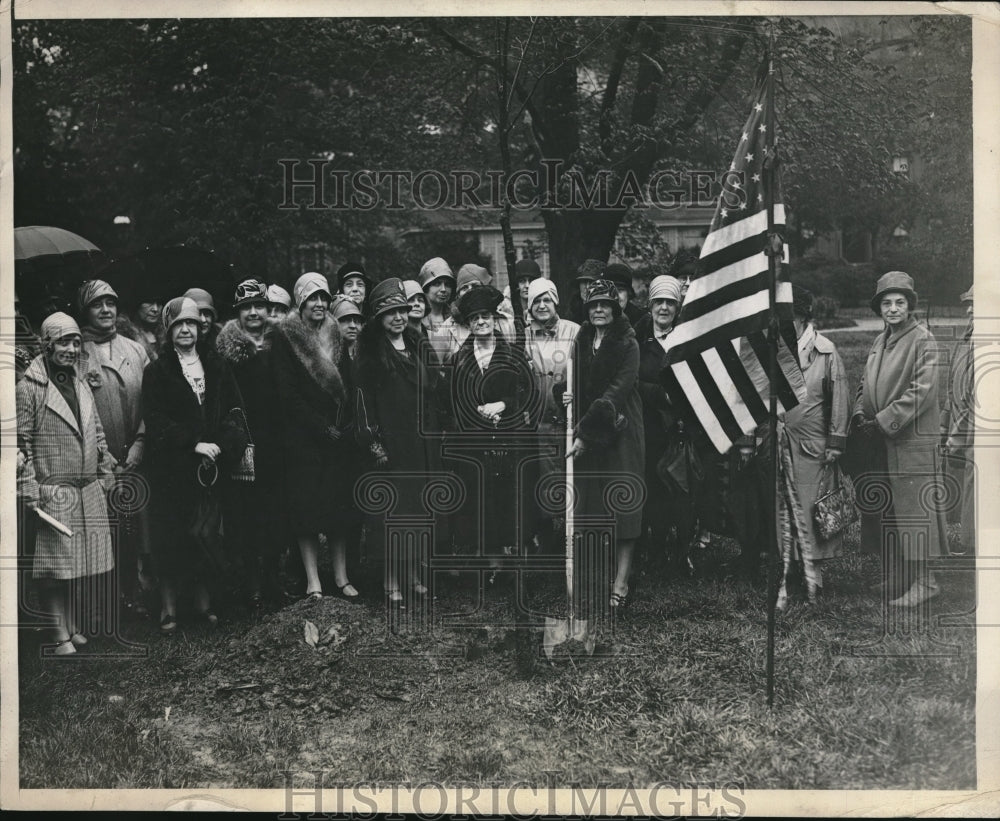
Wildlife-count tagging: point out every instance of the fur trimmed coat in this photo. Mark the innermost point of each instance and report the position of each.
(315, 424)
(609, 474)
(252, 369)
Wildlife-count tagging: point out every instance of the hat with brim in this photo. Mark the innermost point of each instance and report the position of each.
(485, 298)
(526, 269)
(352, 269)
(603, 290)
(589, 270)
(178, 309)
(277, 295)
(412, 288)
(343, 307)
(620, 275)
(203, 299)
(436, 268)
(94, 290)
(388, 295)
(665, 287)
(308, 284)
(249, 290)
(478, 271)
(466, 277)
(897, 282)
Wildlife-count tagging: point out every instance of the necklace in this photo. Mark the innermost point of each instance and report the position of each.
(188, 360)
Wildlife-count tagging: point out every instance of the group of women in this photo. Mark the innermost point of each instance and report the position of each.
(270, 427)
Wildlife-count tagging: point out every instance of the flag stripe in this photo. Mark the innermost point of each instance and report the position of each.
(700, 406)
(785, 393)
(729, 294)
(727, 386)
(744, 384)
(737, 231)
(716, 401)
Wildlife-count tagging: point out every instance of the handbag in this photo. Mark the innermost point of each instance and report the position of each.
(244, 470)
(206, 526)
(835, 509)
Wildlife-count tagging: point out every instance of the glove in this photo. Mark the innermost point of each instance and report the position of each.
(333, 432)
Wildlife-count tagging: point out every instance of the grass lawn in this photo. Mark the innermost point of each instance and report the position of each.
(865, 698)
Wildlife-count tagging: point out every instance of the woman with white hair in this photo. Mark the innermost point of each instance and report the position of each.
(315, 429)
(548, 341)
(66, 473)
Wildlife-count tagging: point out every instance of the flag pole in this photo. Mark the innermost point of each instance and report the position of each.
(775, 254)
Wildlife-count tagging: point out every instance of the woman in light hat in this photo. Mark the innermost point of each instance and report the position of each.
(548, 343)
(438, 283)
(354, 283)
(493, 397)
(279, 302)
(66, 473)
(417, 300)
(195, 436)
(897, 418)
(399, 416)
(669, 436)
(316, 421)
(206, 310)
(113, 366)
(252, 528)
(348, 313)
(608, 444)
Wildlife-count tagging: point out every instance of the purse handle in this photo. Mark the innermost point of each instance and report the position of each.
(243, 418)
(828, 475)
(214, 473)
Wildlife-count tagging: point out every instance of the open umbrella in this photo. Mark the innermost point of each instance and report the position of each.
(168, 272)
(49, 265)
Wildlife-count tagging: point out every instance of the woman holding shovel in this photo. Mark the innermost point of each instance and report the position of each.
(608, 447)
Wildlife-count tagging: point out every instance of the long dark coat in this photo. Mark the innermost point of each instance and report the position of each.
(609, 475)
(399, 414)
(491, 514)
(312, 400)
(175, 423)
(899, 389)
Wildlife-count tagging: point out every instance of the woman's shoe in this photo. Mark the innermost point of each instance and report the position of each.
(348, 591)
(619, 601)
(209, 618)
(394, 599)
(314, 595)
(64, 648)
(78, 639)
(419, 589)
(168, 624)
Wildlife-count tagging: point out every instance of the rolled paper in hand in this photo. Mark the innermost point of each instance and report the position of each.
(55, 523)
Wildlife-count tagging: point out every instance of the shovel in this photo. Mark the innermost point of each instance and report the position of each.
(559, 631)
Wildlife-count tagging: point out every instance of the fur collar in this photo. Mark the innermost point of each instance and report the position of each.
(236, 346)
(598, 369)
(304, 342)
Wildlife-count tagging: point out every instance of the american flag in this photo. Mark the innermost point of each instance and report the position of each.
(717, 353)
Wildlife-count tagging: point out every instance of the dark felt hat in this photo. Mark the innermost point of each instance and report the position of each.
(526, 268)
(603, 290)
(620, 275)
(388, 294)
(352, 269)
(484, 298)
(897, 282)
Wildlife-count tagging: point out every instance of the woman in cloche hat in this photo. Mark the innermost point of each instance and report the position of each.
(896, 415)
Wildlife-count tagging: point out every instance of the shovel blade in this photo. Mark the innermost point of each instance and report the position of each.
(559, 631)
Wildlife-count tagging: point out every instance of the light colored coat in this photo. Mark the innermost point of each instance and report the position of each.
(812, 426)
(899, 389)
(117, 387)
(67, 474)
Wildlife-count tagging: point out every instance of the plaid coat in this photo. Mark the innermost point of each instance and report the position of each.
(67, 473)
